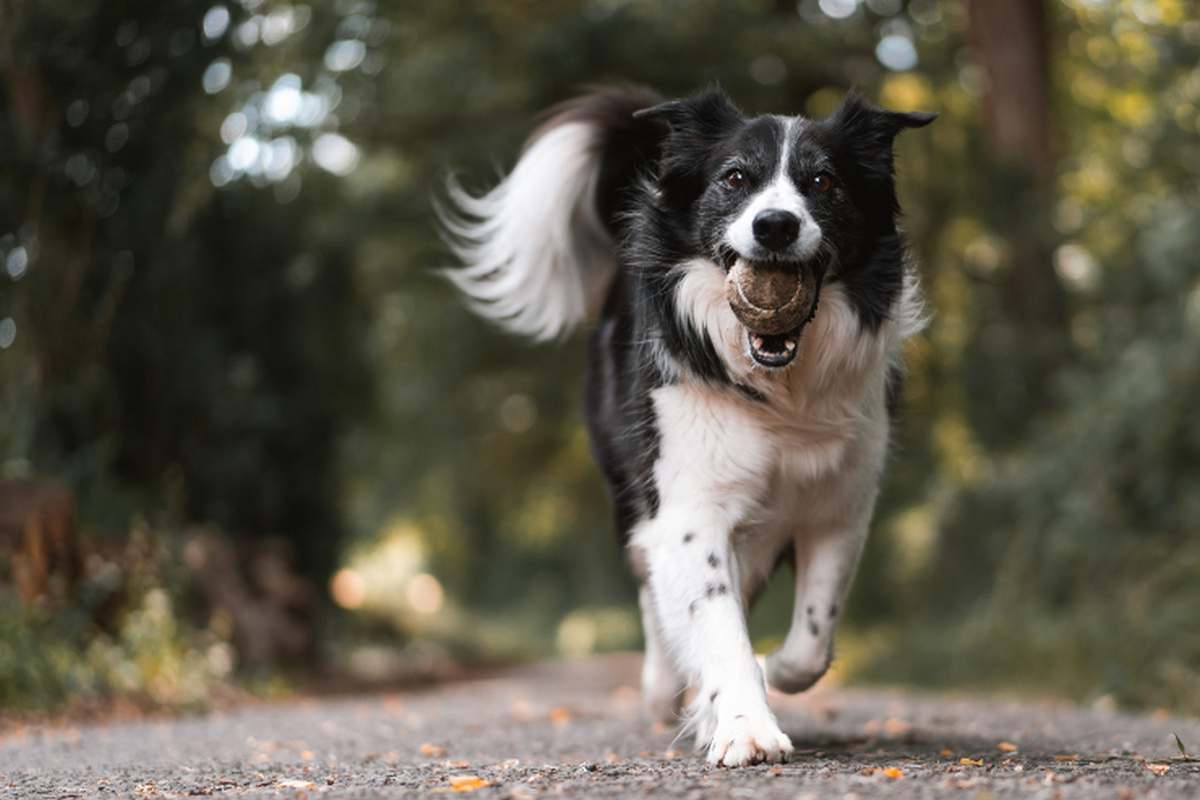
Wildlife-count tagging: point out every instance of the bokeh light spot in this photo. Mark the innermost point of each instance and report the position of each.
(217, 76)
(215, 23)
(424, 593)
(347, 588)
(838, 9)
(335, 153)
(769, 70)
(896, 52)
(8, 332)
(17, 262)
(345, 55)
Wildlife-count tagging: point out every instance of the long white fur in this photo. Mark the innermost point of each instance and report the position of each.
(537, 256)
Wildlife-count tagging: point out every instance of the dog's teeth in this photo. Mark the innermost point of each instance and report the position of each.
(758, 342)
(790, 345)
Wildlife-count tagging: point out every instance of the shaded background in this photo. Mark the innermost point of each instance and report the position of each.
(246, 437)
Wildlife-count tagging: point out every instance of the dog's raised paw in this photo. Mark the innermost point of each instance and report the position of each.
(747, 739)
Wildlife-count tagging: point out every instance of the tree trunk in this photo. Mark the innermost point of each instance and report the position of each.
(1010, 42)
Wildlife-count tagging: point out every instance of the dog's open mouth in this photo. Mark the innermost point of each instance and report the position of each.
(774, 301)
(774, 350)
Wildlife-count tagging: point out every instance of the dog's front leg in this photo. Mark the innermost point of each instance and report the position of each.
(825, 565)
(693, 579)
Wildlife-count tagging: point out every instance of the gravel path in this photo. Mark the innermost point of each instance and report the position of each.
(574, 729)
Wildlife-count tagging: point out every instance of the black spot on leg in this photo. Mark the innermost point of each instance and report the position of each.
(692, 609)
(687, 537)
(712, 698)
(713, 561)
(721, 588)
(813, 628)
(709, 590)
(833, 609)
(810, 611)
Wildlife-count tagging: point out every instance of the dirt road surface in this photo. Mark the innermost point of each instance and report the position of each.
(575, 730)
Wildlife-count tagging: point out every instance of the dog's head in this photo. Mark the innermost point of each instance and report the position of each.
(780, 203)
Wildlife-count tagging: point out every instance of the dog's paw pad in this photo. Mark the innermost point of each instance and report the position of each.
(748, 739)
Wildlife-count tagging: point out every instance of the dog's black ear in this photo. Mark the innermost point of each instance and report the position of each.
(707, 112)
(866, 133)
(690, 128)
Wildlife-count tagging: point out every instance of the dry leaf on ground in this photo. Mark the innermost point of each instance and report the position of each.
(292, 783)
(1006, 747)
(1158, 769)
(971, 762)
(467, 783)
(432, 750)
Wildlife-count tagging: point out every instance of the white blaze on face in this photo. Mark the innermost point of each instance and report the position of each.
(779, 193)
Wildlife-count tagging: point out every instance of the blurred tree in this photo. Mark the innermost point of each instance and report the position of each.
(194, 352)
(1012, 42)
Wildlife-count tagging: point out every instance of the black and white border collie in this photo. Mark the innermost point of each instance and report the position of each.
(753, 293)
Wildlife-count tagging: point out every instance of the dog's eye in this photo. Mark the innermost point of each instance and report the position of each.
(734, 179)
(822, 182)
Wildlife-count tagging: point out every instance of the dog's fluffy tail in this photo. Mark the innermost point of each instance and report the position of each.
(538, 250)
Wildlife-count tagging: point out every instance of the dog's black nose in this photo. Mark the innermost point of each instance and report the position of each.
(776, 229)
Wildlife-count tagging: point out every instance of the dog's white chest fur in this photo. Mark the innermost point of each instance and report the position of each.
(794, 458)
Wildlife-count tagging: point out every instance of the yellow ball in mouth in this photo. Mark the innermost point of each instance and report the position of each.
(771, 298)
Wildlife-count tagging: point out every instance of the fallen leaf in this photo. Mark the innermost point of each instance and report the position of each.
(612, 758)
(895, 773)
(306, 755)
(1006, 747)
(669, 754)
(1158, 769)
(775, 772)
(467, 783)
(292, 783)
(432, 750)
(946, 752)
(459, 764)
(1065, 757)
(560, 716)
(1179, 743)
(971, 762)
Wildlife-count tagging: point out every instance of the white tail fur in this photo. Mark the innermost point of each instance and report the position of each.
(537, 258)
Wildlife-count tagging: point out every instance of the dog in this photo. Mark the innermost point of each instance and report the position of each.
(753, 293)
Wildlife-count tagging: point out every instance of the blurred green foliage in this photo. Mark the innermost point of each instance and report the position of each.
(217, 305)
(124, 636)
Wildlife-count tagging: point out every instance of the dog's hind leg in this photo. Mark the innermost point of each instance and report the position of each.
(662, 683)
